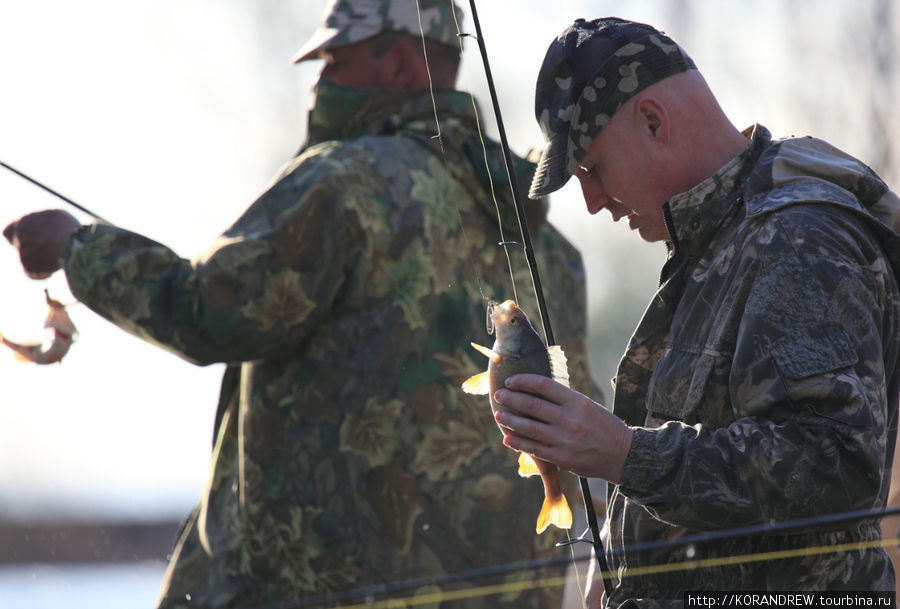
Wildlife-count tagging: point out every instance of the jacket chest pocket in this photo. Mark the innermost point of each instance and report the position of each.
(690, 384)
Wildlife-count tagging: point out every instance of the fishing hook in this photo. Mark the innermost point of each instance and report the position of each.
(533, 268)
(489, 321)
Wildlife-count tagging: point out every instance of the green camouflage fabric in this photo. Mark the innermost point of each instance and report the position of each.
(591, 69)
(349, 21)
(343, 301)
(763, 379)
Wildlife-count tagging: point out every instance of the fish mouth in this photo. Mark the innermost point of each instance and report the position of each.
(504, 312)
(500, 313)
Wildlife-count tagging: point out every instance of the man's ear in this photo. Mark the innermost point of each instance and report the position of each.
(402, 67)
(652, 116)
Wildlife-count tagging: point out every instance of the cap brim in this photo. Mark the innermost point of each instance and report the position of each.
(551, 173)
(318, 41)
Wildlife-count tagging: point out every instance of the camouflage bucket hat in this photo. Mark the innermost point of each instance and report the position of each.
(591, 69)
(349, 21)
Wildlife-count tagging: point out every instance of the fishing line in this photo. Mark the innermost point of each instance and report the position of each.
(53, 192)
(465, 237)
(740, 559)
(523, 226)
(460, 35)
(487, 168)
(437, 124)
(439, 596)
(524, 584)
(510, 171)
(581, 589)
(532, 266)
(370, 592)
(765, 529)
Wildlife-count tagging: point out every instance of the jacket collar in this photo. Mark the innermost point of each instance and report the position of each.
(693, 215)
(346, 112)
(342, 113)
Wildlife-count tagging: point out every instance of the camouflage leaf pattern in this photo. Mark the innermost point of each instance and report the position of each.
(763, 377)
(344, 299)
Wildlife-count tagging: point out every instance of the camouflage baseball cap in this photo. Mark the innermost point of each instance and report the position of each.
(349, 21)
(590, 70)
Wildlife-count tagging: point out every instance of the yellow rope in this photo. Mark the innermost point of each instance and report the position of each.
(436, 596)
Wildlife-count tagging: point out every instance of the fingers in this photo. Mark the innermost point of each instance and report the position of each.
(524, 435)
(521, 426)
(528, 404)
(521, 403)
(541, 386)
(521, 416)
(530, 447)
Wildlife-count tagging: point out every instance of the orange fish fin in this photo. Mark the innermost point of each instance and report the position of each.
(478, 384)
(556, 512)
(527, 466)
(490, 353)
(558, 369)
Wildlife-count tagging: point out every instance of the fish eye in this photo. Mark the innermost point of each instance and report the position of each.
(514, 321)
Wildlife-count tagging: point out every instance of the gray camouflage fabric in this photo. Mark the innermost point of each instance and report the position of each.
(348, 21)
(344, 300)
(763, 377)
(591, 69)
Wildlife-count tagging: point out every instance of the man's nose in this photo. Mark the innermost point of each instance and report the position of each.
(596, 203)
(595, 198)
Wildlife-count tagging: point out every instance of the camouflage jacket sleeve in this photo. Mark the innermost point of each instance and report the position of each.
(255, 293)
(782, 412)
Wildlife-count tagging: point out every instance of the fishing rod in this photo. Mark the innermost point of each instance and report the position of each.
(533, 268)
(52, 192)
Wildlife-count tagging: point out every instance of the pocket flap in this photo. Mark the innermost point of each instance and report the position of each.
(816, 350)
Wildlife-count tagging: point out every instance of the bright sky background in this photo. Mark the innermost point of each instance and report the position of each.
(168, 117)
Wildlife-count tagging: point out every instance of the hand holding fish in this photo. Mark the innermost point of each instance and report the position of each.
(553, 423)
(40, 237)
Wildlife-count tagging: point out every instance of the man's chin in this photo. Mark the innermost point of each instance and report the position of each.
(652, 235)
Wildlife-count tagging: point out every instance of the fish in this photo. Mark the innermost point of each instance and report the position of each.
(518, 350)
(63, 335)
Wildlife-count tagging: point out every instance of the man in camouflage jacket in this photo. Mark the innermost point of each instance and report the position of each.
(343, 301)
(761, 384)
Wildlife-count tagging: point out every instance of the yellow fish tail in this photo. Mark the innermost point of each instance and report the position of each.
(555, 511)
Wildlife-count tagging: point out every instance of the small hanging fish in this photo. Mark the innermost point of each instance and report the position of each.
(64, 334)
(517, 350)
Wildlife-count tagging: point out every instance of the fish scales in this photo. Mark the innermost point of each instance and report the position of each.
(519, 350)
